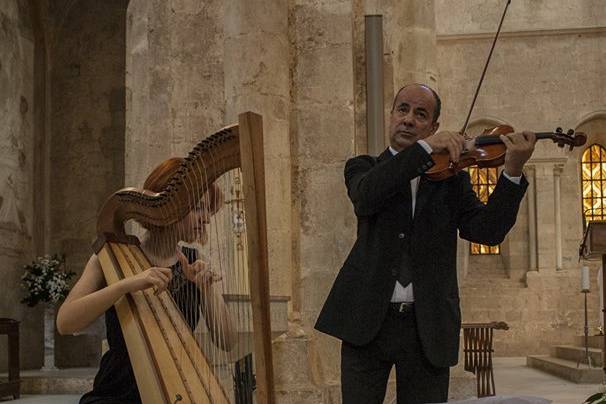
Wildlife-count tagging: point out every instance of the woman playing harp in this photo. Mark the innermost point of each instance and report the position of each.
(192, 285)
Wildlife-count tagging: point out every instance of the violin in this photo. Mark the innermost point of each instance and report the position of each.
(488, 150)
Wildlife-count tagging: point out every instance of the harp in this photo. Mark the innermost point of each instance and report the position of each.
(169, 363)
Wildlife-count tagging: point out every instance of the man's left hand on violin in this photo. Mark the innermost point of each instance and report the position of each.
(520, 146)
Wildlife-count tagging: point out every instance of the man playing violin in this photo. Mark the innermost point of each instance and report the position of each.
(395, 301)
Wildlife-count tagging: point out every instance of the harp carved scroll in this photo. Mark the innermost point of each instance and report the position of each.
(173, 361)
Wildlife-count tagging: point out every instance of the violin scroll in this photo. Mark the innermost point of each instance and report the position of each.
(571, 138)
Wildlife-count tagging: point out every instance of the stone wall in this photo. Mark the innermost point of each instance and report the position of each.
(525, 89)
(545, 310)
(174, 81)
(16, 173)
(323, 138)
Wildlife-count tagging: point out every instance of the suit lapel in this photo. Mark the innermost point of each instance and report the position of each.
(384, 156)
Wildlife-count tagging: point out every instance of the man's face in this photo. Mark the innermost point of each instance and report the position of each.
(412, 117)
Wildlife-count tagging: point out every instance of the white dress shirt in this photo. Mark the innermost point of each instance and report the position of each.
(406, 294)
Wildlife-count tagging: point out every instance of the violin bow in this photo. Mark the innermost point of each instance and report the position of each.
(473, 103)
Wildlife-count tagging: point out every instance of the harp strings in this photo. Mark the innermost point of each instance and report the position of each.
(215, 229)
(212, 325)
(221, 245)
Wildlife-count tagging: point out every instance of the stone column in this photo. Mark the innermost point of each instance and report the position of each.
(174, 80)
(545, 216)
(375, 85)
(557, 178)
(256, 66)
(530, 172)
(545, 179)
(411, 39)
(322, 139)
(571, 208)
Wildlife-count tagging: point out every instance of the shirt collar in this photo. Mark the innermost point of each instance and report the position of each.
(393, 151)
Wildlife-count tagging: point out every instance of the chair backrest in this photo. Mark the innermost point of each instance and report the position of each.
(477, 348)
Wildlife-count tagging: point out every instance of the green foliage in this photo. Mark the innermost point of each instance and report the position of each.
(596, 398)
(45, 280)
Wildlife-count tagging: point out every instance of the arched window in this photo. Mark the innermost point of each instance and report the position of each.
(483, 181)
(593, 180)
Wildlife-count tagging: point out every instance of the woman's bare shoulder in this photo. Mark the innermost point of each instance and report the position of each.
(92, 278)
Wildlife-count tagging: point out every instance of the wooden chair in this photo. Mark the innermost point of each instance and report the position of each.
(477, 347)
(10, 328)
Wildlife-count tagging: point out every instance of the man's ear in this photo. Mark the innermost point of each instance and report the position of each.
(436, 125)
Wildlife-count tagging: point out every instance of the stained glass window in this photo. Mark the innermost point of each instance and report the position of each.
(483, 181)
(593, 171)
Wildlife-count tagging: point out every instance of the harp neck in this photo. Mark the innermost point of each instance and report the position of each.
(208, 160)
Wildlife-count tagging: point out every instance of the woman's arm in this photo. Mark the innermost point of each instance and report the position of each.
(91, 297)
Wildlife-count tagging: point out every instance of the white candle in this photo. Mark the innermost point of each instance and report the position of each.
(584, 279)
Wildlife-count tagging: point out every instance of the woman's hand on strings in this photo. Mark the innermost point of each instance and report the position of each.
(197, 272)
(154, 277)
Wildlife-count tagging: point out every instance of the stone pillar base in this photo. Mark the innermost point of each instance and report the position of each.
(462, 384)
(298, 379)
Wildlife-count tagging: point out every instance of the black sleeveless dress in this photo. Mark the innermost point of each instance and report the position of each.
(115, 381)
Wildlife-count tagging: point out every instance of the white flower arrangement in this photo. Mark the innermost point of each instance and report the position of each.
(45, 280)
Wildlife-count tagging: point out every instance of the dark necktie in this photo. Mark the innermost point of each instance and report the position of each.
(405, 274)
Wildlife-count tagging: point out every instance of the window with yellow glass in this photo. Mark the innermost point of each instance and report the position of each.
(593, 182)
(483, 181)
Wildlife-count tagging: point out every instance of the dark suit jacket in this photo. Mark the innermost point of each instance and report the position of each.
(379, 189)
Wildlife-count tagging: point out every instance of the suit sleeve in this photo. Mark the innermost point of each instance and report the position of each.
(371, 184)
(489, 224)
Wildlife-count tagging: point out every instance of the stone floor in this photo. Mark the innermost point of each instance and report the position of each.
(512, 378)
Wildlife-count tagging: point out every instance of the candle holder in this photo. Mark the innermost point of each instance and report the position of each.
(586, 329)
